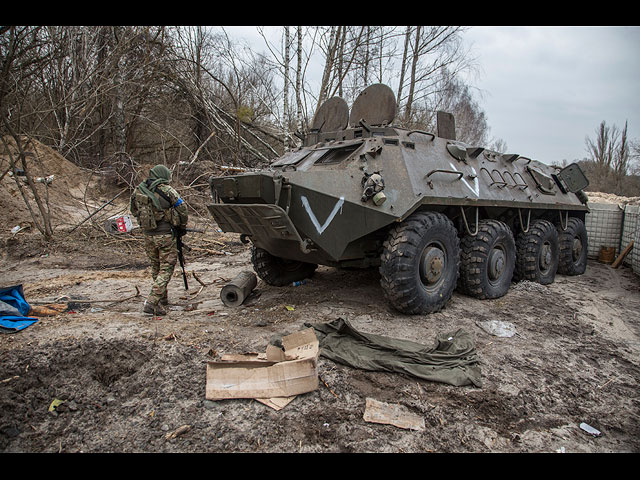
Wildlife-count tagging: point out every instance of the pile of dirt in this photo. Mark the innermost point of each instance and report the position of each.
(601, 197)
(73, 194)
(70, 193)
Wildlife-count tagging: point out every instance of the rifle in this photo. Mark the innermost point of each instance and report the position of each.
(179, 233)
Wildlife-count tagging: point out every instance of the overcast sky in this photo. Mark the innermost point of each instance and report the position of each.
(545, 89)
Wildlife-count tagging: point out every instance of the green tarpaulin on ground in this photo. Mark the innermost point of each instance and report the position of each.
(453, 359)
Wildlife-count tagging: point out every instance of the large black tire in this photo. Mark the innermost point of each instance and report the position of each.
(278, 271)
(419, 263)
(573, 248)
(487, 260)
(537, 253)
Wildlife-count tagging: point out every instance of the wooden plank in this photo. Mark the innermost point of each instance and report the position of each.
(624, 253)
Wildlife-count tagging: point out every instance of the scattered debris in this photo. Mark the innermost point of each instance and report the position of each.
(6, 380)
(46, 180)
(192, 306)
(498, 328)
(328, 388)
(606, 383)
(590, 430)
(179, 431)
(85, 303)
(55, 404)
(49, 310)
(195, 275)
(391, 414)
(97, 210)
(118, 224)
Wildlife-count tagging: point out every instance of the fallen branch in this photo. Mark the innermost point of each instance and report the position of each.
(103, 206)
(208, 250)
(198, 292)
(41, 302)
(177, 432)
(607, 383)
(325, 384)
(117, 301)
(195, 155)
(210, 240)
(198, 279)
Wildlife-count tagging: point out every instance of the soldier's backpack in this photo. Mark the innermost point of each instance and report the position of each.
(172, 216)
(145, 211)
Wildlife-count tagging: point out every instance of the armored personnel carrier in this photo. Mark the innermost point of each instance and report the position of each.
(432, 213)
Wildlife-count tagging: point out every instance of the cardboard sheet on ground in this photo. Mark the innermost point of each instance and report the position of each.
(390, 414)
(274, 378)
(452, 360)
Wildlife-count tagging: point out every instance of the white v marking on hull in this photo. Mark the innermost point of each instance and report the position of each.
(316, 223)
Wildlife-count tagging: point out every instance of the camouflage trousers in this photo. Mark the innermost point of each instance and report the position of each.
(163, 255)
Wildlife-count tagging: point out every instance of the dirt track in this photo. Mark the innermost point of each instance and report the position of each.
(129, 380)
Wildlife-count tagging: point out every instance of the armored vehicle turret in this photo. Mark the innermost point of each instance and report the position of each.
(432, 213)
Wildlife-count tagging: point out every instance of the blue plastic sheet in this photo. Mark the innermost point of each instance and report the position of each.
(14, 310)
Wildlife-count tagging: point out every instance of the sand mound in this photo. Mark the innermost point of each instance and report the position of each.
(71, 194)
(600, 197)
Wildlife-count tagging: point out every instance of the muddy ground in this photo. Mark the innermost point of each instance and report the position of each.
(128, 380)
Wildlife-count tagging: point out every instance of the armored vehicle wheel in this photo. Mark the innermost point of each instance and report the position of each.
(537, 253)
(419, 263)
(278, 271)
(573, 248)
(487, 260)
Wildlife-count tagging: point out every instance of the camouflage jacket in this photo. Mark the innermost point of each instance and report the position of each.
(154, 221)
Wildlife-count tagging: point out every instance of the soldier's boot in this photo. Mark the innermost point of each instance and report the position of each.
(164, 300)
(153, 309)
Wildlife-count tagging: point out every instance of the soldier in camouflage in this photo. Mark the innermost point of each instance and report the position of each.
(160, 213)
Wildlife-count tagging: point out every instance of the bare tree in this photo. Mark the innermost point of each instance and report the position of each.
(431, 52)
(299, 109)
(611, 155)
(285, 112)
(602, 149)
(22, 54)
(621, 158)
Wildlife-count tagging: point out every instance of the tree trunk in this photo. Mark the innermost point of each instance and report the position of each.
(299, 82)
(285, 112)
(412, 79)
(403, 67)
